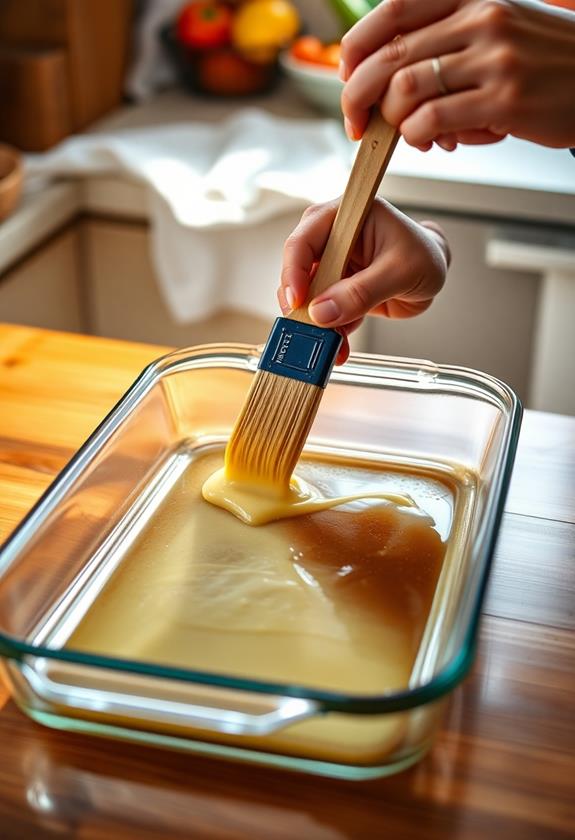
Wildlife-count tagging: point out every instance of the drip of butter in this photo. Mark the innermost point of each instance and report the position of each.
(257, 505)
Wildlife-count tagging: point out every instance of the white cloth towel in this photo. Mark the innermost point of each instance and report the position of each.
(208, 178)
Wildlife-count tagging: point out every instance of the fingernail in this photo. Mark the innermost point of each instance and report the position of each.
(290, 297)
(349, 129)
(325, 311)
(342, 72)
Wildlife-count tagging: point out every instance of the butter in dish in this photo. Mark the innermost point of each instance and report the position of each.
(130, 609)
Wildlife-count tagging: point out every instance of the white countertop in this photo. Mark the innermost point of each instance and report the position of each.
(512, 180)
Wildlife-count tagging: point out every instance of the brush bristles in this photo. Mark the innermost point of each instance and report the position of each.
(271, 430)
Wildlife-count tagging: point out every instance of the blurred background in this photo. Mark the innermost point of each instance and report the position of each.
(155, 155)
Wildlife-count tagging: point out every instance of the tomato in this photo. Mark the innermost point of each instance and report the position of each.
(204, 24)
(225, 73)
(307, 48)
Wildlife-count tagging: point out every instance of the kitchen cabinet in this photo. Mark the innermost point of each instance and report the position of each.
(484, 317)
(96, 276)
(125, 300)
(552, 255)
(44, 288)
(507, 308)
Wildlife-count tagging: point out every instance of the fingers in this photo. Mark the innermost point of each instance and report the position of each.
(478, 137)
(353, 297)
(386, 281)
(343, 353)
(370, 79)
(397, 267)
(302, 249)
(350, 298)
(437, 231)
(459, 112)
(385, 22)
(447, 142)
(401, 309)
(412, 85)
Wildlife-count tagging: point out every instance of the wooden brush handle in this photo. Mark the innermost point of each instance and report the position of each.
(373, 155)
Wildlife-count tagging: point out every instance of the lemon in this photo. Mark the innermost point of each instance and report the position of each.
(262, 27)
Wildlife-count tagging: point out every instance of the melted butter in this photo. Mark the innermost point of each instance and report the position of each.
(257, 505)
(335, 600)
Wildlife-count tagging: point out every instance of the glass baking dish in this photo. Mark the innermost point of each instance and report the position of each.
(401, 414)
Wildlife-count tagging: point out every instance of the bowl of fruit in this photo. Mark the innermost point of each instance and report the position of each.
(312, 67)
(224, 48)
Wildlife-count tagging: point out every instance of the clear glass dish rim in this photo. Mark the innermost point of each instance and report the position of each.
(414, 374)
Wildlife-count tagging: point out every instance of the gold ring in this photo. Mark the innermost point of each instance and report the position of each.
(435, 63)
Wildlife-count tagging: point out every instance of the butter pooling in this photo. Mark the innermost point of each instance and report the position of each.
(257, 504)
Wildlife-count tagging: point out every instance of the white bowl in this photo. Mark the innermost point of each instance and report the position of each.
(321, 86)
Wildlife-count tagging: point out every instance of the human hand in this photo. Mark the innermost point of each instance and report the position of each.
(506, 67)
(396, 268)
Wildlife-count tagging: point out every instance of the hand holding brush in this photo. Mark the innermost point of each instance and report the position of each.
(395, 270)
(274, 423)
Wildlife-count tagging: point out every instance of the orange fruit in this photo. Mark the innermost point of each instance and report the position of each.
(307, 48)
(330, 55)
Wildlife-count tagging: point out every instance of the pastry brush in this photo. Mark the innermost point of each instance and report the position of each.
(294, 368)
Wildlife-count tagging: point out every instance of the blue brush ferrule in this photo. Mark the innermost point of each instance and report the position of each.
(301, 351)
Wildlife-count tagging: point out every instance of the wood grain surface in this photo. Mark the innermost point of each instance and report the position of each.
(503, 765)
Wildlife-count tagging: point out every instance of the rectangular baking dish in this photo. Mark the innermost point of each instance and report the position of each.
(392, 411)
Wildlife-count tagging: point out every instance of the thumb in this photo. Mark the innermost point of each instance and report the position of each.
(355, 296)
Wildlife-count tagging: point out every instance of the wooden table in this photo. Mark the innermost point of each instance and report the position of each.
(504, 764)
